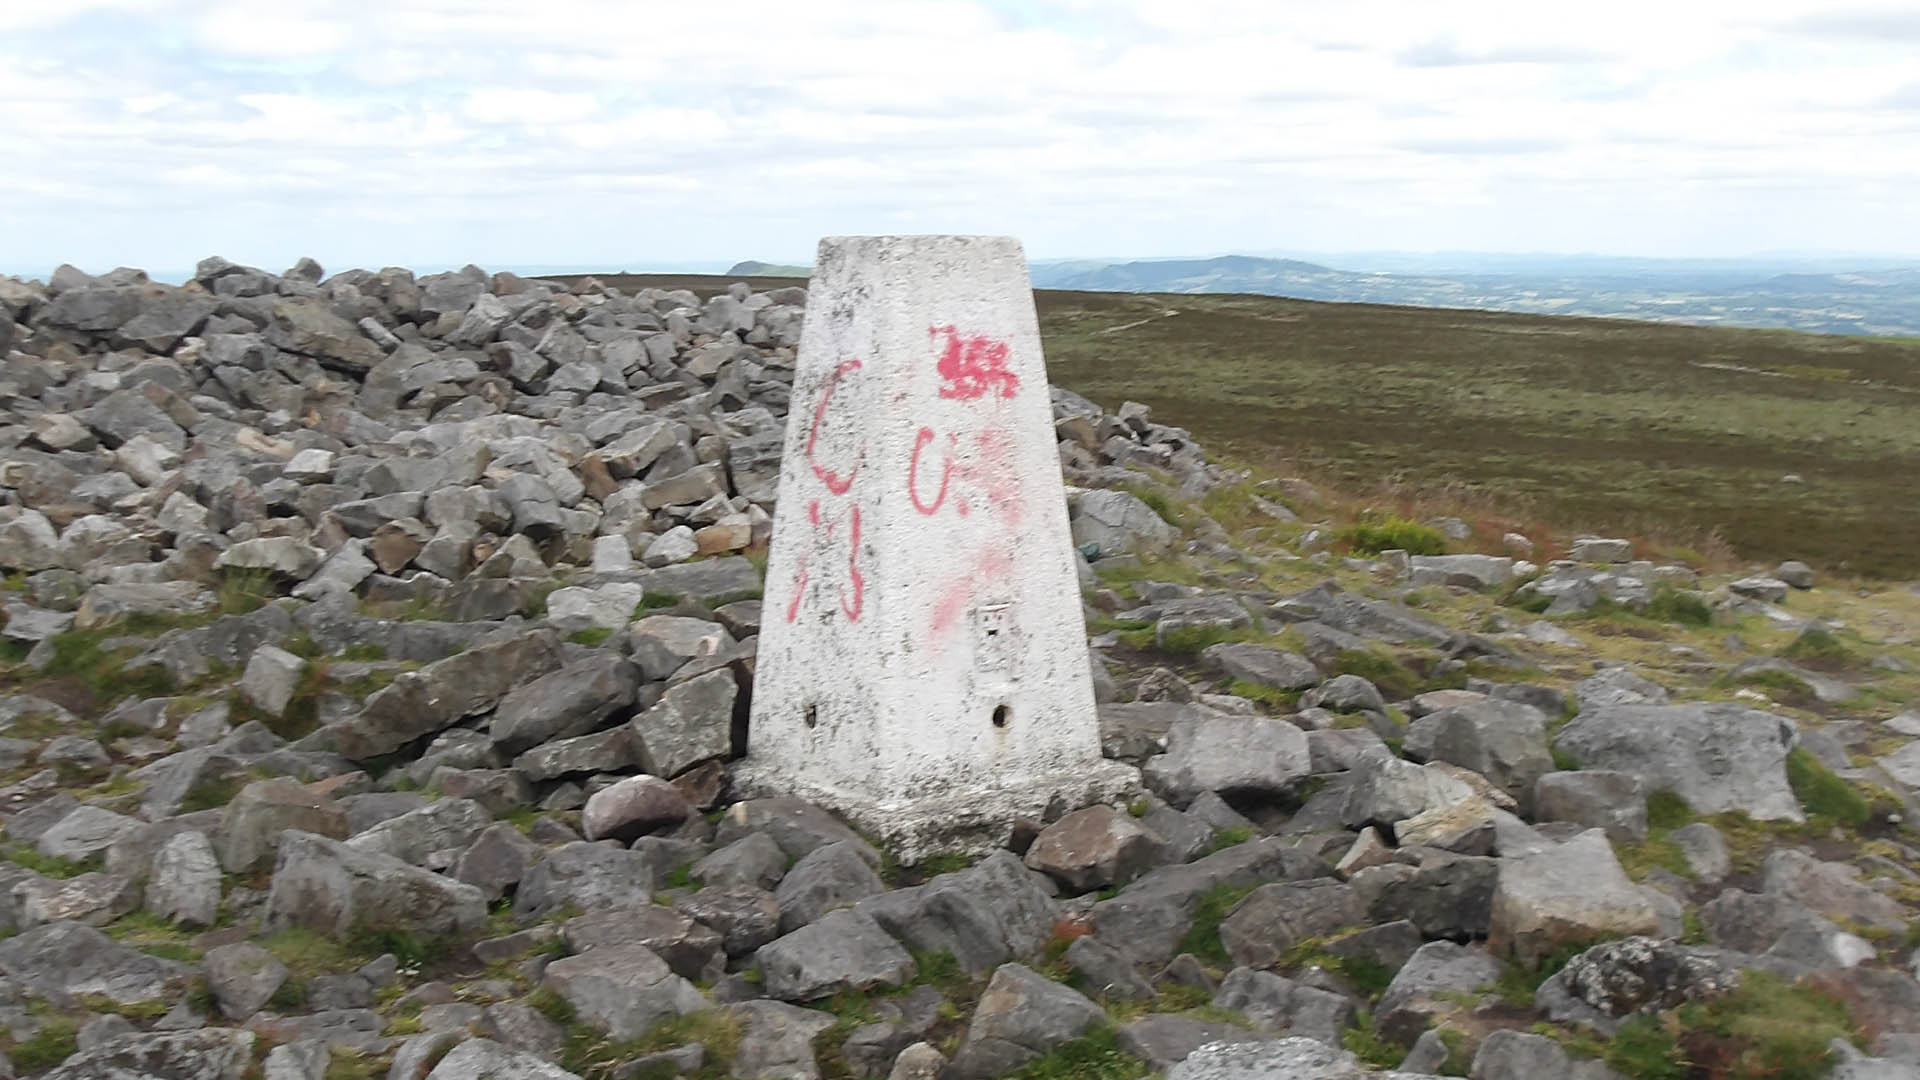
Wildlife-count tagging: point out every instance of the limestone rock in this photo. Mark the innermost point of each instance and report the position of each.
(1564, 895)
(993, 911)
(843, 950)
(1717, 756)
(1283, 1059)
(483, 1059)
(1021, 1016)
(1504, 741)
(1093, 848)
(422, 702)
(1428, 987)
(328, 886)
(441, 825)
(623, 990)
(1281, 1006)
(1212, 751)
(586, 876)
(1261, 665)
(185, 884)
(69, 958)
(84, 833)
(693, 722)
(1272, 919)
(212, 1053)
(243, 976)
(1833, 889)
(826, 878)
(1117, 523)
(778, 1039)
(252, 824)
(1596, 798)
(1147, 919)
(633, 807)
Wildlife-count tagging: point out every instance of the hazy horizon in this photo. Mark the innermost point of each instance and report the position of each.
(1386, 261)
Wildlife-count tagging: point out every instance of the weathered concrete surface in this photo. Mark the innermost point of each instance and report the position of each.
(922, 667)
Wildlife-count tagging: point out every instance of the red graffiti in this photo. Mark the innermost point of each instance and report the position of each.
(799, 593)
(853, 599)
(985, 570)
(974, 366)
(990, 471)
(836, 483)
(920, 442)
(854, 576)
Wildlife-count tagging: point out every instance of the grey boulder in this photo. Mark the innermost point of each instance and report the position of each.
(328, 886)
(623, 990)
(1218, 752)
(1718, 756)
(843, 950)
(1021, 1016)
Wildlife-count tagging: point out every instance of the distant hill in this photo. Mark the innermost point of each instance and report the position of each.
(753, 268)
(1754, 293)
(1880, 302)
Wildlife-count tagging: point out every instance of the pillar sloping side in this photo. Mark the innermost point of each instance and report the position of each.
(922, 663)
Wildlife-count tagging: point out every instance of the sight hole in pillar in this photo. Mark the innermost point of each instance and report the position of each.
(1001, 714)
(812, 716)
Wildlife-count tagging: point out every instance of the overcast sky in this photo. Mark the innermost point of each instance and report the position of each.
(637, 133)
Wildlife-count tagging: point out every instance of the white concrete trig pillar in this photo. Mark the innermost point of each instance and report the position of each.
(922, 665)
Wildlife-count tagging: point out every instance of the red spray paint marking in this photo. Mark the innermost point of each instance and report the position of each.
(974, 366)
(920, 442)
(854, 576)
(987, 568)
(837, 484)
(799, 593)
(994, 475)
(857, 581)
(999, 477)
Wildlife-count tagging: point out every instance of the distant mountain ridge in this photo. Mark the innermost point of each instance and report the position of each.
(1882, 301)
(1878, 302)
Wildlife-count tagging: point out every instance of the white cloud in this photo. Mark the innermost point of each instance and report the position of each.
(605, 130)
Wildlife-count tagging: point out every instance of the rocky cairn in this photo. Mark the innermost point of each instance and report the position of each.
(376, 647)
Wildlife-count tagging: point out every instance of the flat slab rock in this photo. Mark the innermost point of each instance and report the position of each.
(1279, 1059)
(844, 950)
(68, 958)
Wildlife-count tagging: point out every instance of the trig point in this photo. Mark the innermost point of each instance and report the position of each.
(923, 664)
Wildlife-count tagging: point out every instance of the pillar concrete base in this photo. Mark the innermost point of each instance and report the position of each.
(968, 822)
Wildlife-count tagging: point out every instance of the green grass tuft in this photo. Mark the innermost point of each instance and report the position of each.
(52, 866)
(552, 1006)
(1816, 647)
(1374, 537)
(592, 637)
(1766, 1028)
(1679, 606)
(1094, 1056)
(1273, 696)
(1202, 938)
(1784, 685)
(1231, 836)
(1158, 502)
(1392, 677)
(1370, 1046)
(1192, 640)
(1644, 1049)
(1668, 810)
(52, 1044)
(1824, 794)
